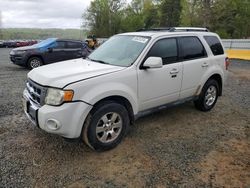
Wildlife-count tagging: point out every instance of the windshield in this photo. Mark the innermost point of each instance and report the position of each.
(120, 50)
(46, 42)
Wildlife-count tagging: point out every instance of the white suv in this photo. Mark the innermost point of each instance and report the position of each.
(130, 75)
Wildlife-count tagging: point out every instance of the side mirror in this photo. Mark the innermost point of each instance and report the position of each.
(50, 50)
(152, 62)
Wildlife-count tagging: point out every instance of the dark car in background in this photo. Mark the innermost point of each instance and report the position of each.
(48, 51)
(9, 44)
(16, 43)
(1, 43)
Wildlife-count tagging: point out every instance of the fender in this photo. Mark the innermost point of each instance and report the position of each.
(96, 89)
(93, 96)
(215, 69)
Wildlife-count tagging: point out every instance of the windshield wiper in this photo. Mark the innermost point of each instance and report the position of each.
(99, 61)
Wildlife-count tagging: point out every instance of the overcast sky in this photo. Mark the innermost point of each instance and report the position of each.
(42, 13)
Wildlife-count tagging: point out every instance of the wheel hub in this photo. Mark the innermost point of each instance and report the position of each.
(109, 127)
(210, 96)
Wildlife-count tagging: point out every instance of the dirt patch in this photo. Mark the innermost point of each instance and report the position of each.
(241, 73)
(229, 167)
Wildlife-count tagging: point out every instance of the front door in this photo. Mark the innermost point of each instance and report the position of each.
(56, 53)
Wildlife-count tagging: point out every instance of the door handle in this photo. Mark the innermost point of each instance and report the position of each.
(204, 65)
(174, 71)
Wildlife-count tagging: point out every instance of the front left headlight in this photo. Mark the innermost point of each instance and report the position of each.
(56, 97)
(20, 52)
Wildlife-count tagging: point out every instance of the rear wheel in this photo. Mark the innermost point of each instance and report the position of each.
(106, 126)
(34, 62)
(208, 96)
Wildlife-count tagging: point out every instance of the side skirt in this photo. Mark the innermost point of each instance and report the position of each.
(165, 106)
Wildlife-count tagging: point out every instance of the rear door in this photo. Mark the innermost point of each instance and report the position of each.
(195, 64)
(160, 86)
(73, 50)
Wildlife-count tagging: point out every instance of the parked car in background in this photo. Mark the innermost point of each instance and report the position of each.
(1, 43)
(48, 51)
(17, 43)
(10, 44)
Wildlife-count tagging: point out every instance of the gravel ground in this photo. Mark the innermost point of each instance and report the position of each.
(177, 147)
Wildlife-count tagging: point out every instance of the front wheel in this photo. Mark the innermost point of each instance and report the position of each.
(106, 126)
(34, 62)
(208, 96)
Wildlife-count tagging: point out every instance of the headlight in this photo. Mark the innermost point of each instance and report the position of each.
(20, 51)
(57, 96)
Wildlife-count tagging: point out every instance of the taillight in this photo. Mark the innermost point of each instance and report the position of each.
(227, 62)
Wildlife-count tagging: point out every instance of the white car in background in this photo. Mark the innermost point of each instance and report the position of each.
(130, 75)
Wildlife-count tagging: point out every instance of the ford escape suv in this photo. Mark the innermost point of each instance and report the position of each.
(130, 75)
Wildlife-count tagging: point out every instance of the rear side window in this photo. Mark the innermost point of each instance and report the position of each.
(73, 45)
(191, 48)
(166, 49)
(214, 44)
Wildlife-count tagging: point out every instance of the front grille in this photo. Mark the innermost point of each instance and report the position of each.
(37, 92)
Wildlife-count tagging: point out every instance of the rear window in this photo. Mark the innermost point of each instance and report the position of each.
(214, 44)
(191, 48)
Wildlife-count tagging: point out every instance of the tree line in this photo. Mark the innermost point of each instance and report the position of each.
(228, 18)
(36, 33)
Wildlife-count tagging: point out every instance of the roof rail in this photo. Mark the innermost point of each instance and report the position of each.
(175, 29)
(201, 29)
(154, 29)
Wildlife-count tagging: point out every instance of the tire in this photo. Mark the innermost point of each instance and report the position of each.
(208, 96)
(106, 126)
(34, 62)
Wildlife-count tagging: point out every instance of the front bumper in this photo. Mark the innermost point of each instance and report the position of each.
(69, 116)
(18, 59)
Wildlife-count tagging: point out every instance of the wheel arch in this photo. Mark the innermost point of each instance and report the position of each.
(120, 100)
(31, 56)
(218, 78)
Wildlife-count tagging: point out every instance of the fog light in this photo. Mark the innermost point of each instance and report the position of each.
(53, 124)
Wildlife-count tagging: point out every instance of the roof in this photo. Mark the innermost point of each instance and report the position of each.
(154, 32)
(160, 33)
(69, 40)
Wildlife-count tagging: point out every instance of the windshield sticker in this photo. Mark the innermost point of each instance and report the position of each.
(140, 39)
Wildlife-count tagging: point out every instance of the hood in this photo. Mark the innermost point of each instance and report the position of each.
(24, 48)
(65, 72)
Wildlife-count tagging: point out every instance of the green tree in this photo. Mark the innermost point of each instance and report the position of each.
(232, 18)
(103, 17)
(150, 14)
(229, 18)
(170, 11)
(141, 14)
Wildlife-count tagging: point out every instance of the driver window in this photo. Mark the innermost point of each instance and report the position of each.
(166, 49)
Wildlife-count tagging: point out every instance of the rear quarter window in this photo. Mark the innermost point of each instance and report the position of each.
(214, 45)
